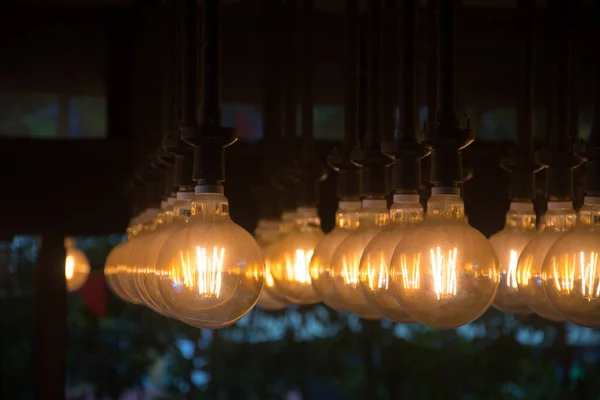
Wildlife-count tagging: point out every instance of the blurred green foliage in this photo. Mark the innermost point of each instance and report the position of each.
(315, 351)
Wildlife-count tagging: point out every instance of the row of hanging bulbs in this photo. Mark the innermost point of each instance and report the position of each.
(188, 260)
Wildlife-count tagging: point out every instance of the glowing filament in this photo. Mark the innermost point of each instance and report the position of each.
(444, 272)
(564, 274)
(298, 269)
(588, 276)
(204, 272)
(69, 267)
(511, 274)
(269, 281)
(350, 269)
(377, 275)
(411, 277)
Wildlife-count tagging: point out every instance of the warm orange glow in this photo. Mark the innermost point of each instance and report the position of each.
(511, 273)
(201, 271)
(377, 274)
(298, 269)
(350, 267)
(584, 268)
(444, 272)
(412, 281)
(69, 267)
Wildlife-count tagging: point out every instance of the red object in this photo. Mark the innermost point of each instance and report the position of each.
(93, 293)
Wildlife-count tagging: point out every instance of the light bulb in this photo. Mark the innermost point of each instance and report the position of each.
(267, 232)
(374, 216)
(444, 273)
(116, 269)
(289, 259)
(174, 217)
(346, 222)
(571, 269)
(518, 231)
(77, 266)
(559, 219)
(112, 269)
(130, 271)
(405, 213)
(210, 271)
(139, 250)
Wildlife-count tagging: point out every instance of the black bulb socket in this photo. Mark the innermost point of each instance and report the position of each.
(446, 142)
(374, 171)
(406, 164)
(349, 175)
(559, 174)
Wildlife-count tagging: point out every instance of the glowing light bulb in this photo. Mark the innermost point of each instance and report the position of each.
(112, 270)
(518, 231)
(77, 266)
(267, 232)
(174, 217)
(131, 270)
(406, 213)
(374, 216)
(211, 270)
(346, 222)
(139, 251)
(117, 270)
(444, 273)
(559, 219)
(571, 269)
(289, 259)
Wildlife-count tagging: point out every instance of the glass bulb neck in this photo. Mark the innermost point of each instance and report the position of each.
(406, 213)
(521, 217)
(210, 206)
(307, 218)
(589, 215)
(374, 213)
(347, 219)
(288, 222)
(559, 219)
(445, 206)
(69, 243)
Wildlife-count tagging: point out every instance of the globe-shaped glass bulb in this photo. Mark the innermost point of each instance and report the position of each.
(77, 266)
(405, 213)
(518, 231)
(139, 250)
(131, 270)
(289, 259)
(113, 268)
(267, 233)
(559, 220)
(346, 222)
(170, 221)
(345, 264)
(571, 269)
(211, 270)
(445, 273)
(117, 270)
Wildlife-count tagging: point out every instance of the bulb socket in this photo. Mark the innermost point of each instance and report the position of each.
(446, 167)
(182, 170)
(559, 182)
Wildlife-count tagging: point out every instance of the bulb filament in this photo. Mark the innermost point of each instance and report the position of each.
(69, 267)
(298, 269)
(203, 272)
(511, 274)
(350, 269)
(412, 280)
(565, 282)
(377, 274)
(444, 272)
